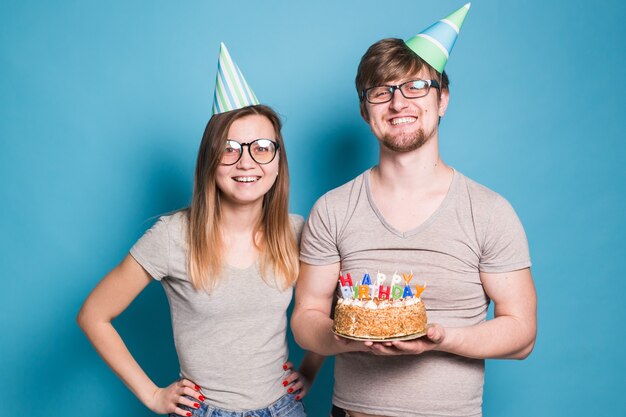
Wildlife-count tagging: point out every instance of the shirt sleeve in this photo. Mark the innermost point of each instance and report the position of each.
(319, 237)
(505, 247)
(152, 250)
(297, 223)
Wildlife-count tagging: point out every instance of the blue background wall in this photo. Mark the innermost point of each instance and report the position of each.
(102, 106)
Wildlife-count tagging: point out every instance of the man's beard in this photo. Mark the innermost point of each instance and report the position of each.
(406, 142)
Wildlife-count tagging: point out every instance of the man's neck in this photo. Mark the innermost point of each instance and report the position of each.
(418, 170)
(409, 187)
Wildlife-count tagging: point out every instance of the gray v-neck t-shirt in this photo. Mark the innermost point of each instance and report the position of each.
(232, 343)
(474, 230)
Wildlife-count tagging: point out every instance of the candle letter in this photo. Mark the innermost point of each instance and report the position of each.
(347, 292)
(396, 279)
(407, 292)
(363, 291)
(383, 292)
(380, 279)
(396, 292)
(347, 280)
(373, 291)
(419, 290)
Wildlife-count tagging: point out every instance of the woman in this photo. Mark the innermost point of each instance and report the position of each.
(228, 264)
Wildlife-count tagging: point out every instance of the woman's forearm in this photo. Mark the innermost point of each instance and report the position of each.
(113, 350)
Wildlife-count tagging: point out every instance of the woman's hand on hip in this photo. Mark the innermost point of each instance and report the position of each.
(295, 383)
(169, 399)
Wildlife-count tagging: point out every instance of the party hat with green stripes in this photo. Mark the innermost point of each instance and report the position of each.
(232, 92)
(435, 43)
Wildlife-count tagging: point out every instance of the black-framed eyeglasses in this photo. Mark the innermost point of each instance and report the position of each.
(410, 89)
(262, 151)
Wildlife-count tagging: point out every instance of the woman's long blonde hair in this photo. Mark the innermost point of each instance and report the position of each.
(273, 234)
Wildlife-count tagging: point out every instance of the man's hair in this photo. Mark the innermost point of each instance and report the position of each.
(391, 59)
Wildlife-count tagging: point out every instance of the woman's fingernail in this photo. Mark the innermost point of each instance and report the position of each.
(197, 388)
(196, 405)
(201, 398)
(297, 397)
(188, 414)
(284, 367)
(285, 383)
(290, 390)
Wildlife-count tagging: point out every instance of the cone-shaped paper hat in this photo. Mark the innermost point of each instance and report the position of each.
(232, 92)
(435, 43)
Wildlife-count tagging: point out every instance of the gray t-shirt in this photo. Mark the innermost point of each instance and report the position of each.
(474, 230)
(232, 342)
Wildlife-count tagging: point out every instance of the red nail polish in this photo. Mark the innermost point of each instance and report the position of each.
(196, 405)
(197, 388)
(290, 390)
(201, 398)
(285, 383)
(188, 414)
(297, 398)
(284, 367)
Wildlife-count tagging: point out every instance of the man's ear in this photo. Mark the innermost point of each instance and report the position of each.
(443, 102)
(364, 113)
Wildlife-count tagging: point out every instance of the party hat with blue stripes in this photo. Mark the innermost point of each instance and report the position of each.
(435, 43)
(232, 92)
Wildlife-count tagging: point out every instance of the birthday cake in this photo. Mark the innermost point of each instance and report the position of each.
(377, 311)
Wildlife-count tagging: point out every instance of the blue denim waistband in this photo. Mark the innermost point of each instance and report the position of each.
(285, 406)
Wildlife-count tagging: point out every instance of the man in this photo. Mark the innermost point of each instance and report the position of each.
(412, 212)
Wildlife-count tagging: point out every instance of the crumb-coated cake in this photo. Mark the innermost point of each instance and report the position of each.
(377, 311)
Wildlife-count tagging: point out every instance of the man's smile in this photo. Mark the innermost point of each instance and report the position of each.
(403, 120)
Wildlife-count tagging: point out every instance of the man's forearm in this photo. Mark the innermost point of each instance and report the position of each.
(504, 337)
(313, 331)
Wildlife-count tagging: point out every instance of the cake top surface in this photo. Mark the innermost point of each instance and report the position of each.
(377, 304)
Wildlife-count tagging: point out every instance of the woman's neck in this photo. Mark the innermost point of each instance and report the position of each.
(240, 219)
(240, 234)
